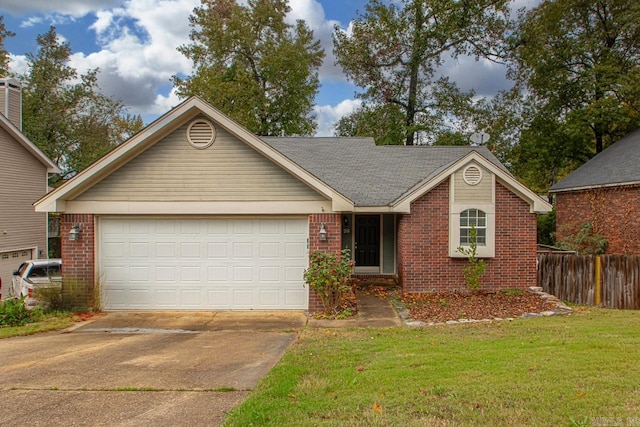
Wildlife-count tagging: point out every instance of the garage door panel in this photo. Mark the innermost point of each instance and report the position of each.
(242, 250)
(139, 250)
(221, 263)
(242, 274)
(295, 297)
(190, 298)
(269, 250)
(165, 250)
(140, 298)
(243, 298)
(114, 296)
(165, 273)
(269, 227)
(269, 274)
(139, 274)
(242, 227)
(190, 250)
(114, 274)
(269, 298)
(297, 250)
(217, 250)
(138, 226)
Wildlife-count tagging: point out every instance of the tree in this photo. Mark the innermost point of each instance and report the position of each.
(385, 123)
(395, 49)
(577, 62)
(66, 115)
(254, 66)
(4, 55)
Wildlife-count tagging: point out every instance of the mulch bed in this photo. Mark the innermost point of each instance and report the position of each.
(442, 306)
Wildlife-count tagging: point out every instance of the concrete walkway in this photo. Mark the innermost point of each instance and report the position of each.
(373, 312)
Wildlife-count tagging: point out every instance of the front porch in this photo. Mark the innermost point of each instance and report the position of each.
(372, 241)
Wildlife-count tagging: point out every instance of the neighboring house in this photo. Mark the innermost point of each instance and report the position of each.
(196, 212)
(604, 192)
(24, 171)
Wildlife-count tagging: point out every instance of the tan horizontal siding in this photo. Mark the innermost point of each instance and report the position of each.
(22, 182)
(479, 193)
(172, 170)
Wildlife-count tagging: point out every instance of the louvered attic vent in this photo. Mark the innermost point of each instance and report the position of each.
(472, 175)
(201, 134)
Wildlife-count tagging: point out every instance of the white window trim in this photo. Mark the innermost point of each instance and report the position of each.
(487, 251)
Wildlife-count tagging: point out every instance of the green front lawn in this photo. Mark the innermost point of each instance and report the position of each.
(576, 370)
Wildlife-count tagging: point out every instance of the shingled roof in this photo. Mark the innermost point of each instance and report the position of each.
(367, 174)
(619, 164)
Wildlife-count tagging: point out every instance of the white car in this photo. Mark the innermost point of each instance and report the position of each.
(33, 275)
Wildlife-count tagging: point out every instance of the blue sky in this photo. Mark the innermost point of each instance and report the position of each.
(133, 42)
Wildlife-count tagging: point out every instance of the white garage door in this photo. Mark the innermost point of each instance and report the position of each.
(9, 262)
(203, 263)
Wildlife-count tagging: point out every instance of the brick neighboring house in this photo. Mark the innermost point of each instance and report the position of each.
(605, 192)
(196, 212)
(24, 172)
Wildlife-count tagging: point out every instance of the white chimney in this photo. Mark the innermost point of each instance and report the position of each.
(11, 100)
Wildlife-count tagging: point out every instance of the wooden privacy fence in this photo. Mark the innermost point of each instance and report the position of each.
(611, 281)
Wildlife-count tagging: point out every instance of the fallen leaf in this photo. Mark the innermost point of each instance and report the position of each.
(360, 368)
(377, 408)
(583, 394)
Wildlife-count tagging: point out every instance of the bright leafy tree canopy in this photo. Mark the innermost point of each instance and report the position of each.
(66, 115)
(577, 65)
(395, 51)
(254, 66)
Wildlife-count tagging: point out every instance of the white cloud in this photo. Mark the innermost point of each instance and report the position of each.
(138, 53)
(137, 42)
(18, 64)
(312, 12)
(327, 115)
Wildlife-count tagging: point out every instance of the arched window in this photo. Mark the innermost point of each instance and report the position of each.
(470, 219)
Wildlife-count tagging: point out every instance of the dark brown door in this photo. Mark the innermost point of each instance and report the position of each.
(367, 241)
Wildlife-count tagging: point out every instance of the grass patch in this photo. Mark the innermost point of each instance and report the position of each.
(224, 389)
(44, 323)
(546, 371)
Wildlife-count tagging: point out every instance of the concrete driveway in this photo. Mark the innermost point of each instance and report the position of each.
(126, 369)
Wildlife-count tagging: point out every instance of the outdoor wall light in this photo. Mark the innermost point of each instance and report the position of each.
(74, 233)
(323, 233)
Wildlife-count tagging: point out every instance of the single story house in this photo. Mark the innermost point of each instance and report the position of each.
(196, 212)
(604, 192)
(24, 172)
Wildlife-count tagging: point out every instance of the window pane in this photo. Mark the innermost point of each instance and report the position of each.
(481, 236)
(476, 219)
(464, 237)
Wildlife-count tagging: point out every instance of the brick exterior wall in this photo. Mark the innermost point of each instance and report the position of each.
(613, 212)
(333, 226)
(78, 257)
(424, 264)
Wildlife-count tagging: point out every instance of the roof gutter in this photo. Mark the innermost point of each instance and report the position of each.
(592, 187)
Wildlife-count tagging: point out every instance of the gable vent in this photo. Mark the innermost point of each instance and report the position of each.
(472, 175)
(201, 134)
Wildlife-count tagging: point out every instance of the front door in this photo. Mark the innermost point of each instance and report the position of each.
(367, 240)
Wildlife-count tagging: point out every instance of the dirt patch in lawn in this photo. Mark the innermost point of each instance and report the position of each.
(443, 306)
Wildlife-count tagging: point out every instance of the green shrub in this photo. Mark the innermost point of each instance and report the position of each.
(73, 295)
(585, 241)
(477, 266)
(329, 275)
(14, 313)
